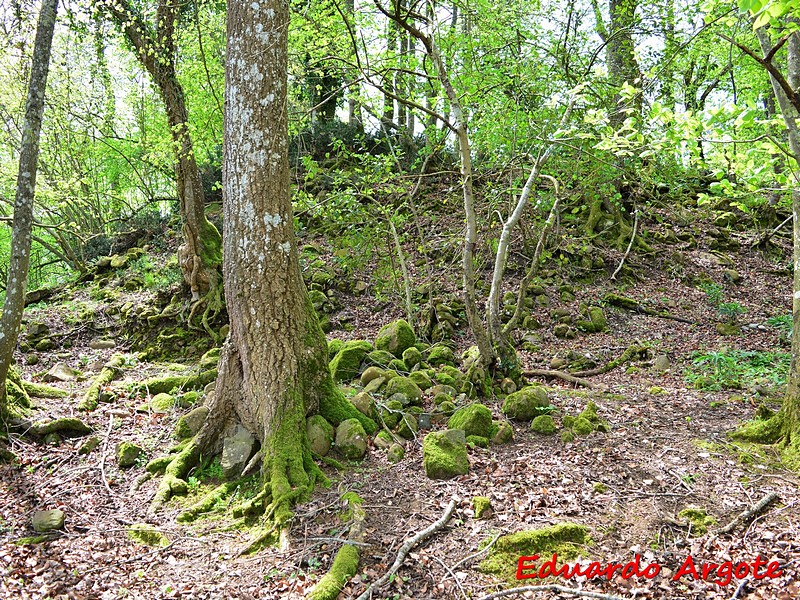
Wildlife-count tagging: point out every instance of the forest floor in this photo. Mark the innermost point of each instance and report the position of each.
(667, 449)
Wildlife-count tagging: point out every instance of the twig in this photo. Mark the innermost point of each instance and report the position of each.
(453, 575)
(550, 588)
(739, 589)
(748, 514)
(630, 244)
(103, 455)
(407, 547)
(477, 554)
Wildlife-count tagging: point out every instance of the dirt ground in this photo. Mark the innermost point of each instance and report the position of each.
(667, 450)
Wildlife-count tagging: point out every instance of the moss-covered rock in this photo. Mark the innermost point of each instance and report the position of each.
(441, 355)
(395, 453)
(447, 407)
(582, 426)
(190, 423)
(590, 414)
(526, 404)
(544, 424)
(371, 373)
(422, 379)
(346, 365)
(391, 413)
(568, 540)
(478, 440)
(411, 358)
(405, 386)
(444, 454)
(396, 337)
(380, 358)
(595, 320)
(128, 453)
(351, 439)
(408, 426)
(383, 440)
(475, 419)
(210, 359)
(364, 403)
(481, 507)
(334, 346)
(48, 520)
(503, 433)
(144, 533)
(320, 434)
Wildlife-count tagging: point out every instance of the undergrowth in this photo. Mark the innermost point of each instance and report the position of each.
(734, 369)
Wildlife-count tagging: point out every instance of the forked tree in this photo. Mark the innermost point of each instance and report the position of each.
(274, 365)
(19, 262)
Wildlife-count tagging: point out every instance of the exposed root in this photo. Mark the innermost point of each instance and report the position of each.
(345, 564)
(559, 375)
(111, 370)
(66, 425)
(211, 304)
(182, 382)
(173, 482)
(209, 501)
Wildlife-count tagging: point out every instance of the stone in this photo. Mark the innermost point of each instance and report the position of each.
(441, 355)
(320, 434)
(448, 390)
(351, 439)
(89, 445)
(31, 359)
(48, 520)
(146, 534)
(396, 337)
(60, 372)
(564, 331)
(731, 276)
(391, 413)
(408, 426)
(190, 423)
(728, 329)
(381, 358)
(481, 507)
(504, 433)
(444, 454)
(36, 330)
(526, 404)
(100, 344)
(406, 386)
(411, 358)
(210, 359)
(128, 453)
(507, 386)
(422, 379)
(45, 344)
(371, 373)
(395, 453)
(364, 403)
(544, 424)
(383, 440)
(475, 419)
(662, 363)
(346, 365)
(375, 385)
(236, 451)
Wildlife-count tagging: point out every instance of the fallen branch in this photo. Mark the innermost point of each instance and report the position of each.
(630, 245)
(550, 588)
(407, 547)
(629, 354)
(559, 375)
(748, 515)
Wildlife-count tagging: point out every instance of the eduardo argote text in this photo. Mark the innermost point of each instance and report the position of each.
(722, 574)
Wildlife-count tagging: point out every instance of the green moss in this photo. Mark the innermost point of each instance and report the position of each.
(698, 519)
(544, 424)
(527, 403)
(567, 436)
(478, 440)
(34, 539)
(396, 337)
(568, 540)
(599, 487)
(147, 535)
(111, 370)
(172, 383)
(38, 390)
(444, 454)
(210, 245)
(582, 426)
(482, 507)
(475, 419)
(336, 408)
(761, 431)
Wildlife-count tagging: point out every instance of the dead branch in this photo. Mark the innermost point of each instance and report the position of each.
(629, 353)
(559, 375)
(550, 588)
(630, 244)
(748, 515)
(407, 547)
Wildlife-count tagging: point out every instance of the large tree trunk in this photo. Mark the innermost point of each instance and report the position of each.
(274, 365)
(19, 262)
(200, 255)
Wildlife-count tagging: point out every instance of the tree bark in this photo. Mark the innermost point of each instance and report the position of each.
(19, 262)
(199, 256)
(274, 365)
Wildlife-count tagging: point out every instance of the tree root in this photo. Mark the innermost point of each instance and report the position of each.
(345, 563)
(559, 375)
(629, 354)
(561, 589)
(66, 425)
(212, 303)
(183, 382)
(173, 482)
(209, 501)
(111, 370)
(748, 515)
(39, 390)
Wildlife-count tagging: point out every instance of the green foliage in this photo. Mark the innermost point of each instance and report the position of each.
(733, 369)
(713, 292)
(782, 323)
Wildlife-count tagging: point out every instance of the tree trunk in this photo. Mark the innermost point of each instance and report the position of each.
(200, 255)
(274, 365)
(19, 263)
(622, 65)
